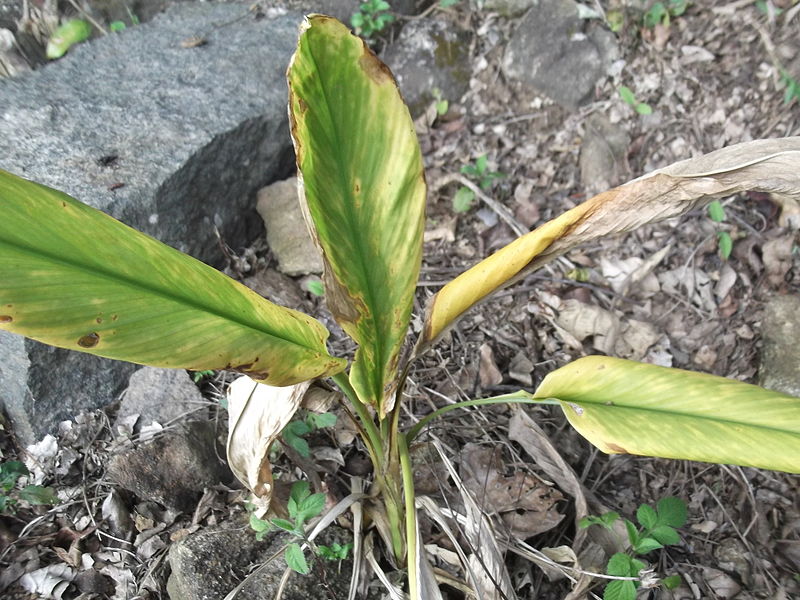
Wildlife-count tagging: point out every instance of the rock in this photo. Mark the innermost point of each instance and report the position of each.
(780, 353)
(160, 395)
(604, 152)
(506, 8)
(277, 288)
(549, 54)
(287, 234)
(211, 562)
(192, 133)
(173, 468)
(430, 54)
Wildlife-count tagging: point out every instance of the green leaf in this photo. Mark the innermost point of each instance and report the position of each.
(283, 524)
(10, 472)
(463, 199)
(716, 211)
(73, 277)
(644, 109)
(67, 35)
(117, 26)
(36, 494)
(627, 95)
(647, 517)
(481, 164)
(622, 406)
(448, 3)
(620, 590)
(310, 507)
(609, 518)
(619, 565)
(295, 559)
(321, 420)
(633, 533)
(300, 491)
(672, 582)
(666, 535)
(636, 566)
(258, 525)
(725, 244)
(671, 511)
(364, 186)
(316, 287)
(646, 544)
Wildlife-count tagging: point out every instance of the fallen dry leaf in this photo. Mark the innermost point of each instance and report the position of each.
(257, 413)
(488, 373)
(523, 501)
(583, 320)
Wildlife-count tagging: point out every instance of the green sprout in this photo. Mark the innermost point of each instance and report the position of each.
(371, 18)
(660, 12)
(11, 495)
(658, 529)
(717, 214)
(293, 433)
(629, 98)
(480, 172)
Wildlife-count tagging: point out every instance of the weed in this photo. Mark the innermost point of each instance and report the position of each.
(198, 376)
(442, 105)
(792, 87)
(302, 506)
(371, 18)
(657, 529)
(67, 35)
(629, 98)
(480, 172)
(293, 433)
(11, 494)
(717, 214)
(316, 287)
(660, 12)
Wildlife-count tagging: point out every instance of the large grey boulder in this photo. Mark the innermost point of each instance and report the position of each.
(172, 138)
(550, 54)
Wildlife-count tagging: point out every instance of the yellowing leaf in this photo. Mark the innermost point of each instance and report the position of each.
(73, 277)
(257, 414)
(364, 194)
(622, 406)
(762, 165)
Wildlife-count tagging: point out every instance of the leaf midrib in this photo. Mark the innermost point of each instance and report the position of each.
(115, 277)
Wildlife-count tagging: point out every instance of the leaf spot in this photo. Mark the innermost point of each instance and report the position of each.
(616, 448)
(6, 319)
(374, 68)
(578, 410)
(89, 341)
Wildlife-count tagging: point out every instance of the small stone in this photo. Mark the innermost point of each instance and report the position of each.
(287, 234)
(780, 354)
(160, 395)
(604, 152)
(204, 567)
(428, 55)
(520, 369)
(172, 469)
(549, 54)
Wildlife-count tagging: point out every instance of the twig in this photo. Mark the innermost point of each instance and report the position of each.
(493, 204)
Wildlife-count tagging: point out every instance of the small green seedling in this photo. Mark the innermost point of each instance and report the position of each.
(658, 529)
(717, 214)
(335, 551)
(302, 506)
(629, 98)
(11, 495)
(480, 172)
(442, 105)
(316, 287)
(371, 18)
(448, 3)
(792, 87)
(660, 12)
(198, 376)
(293, 432)
(67, 35)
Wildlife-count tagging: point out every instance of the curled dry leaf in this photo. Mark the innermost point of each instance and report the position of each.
(762, 165)
(525, 503)
(257, 413)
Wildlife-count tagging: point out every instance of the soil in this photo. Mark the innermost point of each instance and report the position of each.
(742, 538)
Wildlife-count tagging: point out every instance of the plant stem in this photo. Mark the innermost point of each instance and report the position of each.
(374, 438)
(412, 557)
(520, 397)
